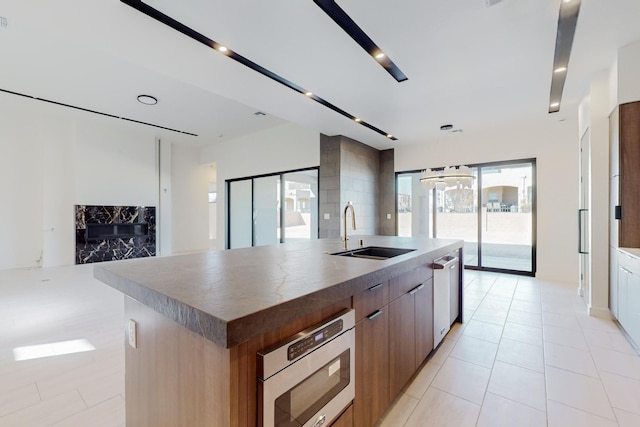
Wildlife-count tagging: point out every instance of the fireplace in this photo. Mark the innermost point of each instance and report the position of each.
(109, 233)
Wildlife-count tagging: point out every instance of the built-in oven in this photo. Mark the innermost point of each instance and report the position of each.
(308, 379)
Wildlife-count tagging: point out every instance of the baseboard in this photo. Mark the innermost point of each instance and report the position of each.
(603, 313)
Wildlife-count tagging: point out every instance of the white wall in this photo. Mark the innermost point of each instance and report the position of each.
(189, 200)
(594, 117)
(278, 149)
(52, 160)
(628, 71)
(554, 147)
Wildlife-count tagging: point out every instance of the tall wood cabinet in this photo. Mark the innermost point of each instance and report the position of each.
(624, 125)
(624, 193)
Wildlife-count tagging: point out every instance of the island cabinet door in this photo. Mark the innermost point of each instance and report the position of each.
(402, 342)
(424, 320)
(372, 368)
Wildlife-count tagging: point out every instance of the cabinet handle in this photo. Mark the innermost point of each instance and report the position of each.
(374, 314)
(373, 288)
(416, 289)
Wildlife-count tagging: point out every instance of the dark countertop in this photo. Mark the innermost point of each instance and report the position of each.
(234, 295)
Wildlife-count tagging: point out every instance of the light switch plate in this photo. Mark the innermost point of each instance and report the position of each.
(388, 216)
(327, 216)
(133, 333)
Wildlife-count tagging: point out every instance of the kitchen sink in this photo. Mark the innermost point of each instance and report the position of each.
(374, 252)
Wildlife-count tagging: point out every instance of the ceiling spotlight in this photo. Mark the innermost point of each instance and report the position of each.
(560, 70)
(554, 104)
(309, 94)
(389, 136)
(357, 120)
(222, 49)
(379, 55)
(147, 99)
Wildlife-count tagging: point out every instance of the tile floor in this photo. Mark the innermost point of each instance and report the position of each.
(527, 355)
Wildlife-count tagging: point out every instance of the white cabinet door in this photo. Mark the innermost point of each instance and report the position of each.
(613, 282)
(632, 313)
(623, 280)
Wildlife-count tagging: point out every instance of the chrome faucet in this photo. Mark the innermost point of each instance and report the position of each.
(353, 218)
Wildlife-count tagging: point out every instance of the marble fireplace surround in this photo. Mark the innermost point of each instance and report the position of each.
(109, 233)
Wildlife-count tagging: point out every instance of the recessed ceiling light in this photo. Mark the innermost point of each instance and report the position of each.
(379, 55)
(222, 49)
(554, 104)
(147, 99)
(560, 70)
(308, 93)
(357, 120)
(389, 136)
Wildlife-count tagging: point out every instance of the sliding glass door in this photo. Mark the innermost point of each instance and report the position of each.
(274, 208)
(506, 219)
(495, 216)
(456, 217)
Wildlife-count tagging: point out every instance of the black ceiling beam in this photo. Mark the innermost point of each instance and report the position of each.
(567, 23)
(193, 34)
(335, 12)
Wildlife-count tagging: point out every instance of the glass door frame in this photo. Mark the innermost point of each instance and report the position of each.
(281, 176)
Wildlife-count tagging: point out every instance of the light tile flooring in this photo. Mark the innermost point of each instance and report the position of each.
(527, 355)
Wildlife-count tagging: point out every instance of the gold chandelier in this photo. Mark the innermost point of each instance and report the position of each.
(460, 177)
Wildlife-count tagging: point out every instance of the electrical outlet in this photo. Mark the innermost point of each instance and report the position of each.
(327, 216)
(133, 333)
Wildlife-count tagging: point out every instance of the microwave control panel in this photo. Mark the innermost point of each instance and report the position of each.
(315, 339)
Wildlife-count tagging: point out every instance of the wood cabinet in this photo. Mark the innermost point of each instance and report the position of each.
(423, 299)
(624, 136)
(345, 419)
(402, 342)
(410, 325)
(624, 195)
(372, 354)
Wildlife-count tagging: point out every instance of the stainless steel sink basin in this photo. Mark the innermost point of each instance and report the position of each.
(374, 252)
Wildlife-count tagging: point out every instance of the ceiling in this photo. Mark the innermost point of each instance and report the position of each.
(479, 68)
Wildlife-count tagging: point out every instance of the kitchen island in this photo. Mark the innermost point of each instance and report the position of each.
(201, 318)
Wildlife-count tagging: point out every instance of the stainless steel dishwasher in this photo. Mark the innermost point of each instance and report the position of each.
(442, 296)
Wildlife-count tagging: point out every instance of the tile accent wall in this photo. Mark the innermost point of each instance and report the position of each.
(109, 233)
(352, 171)
(329, 186)
(387, 199)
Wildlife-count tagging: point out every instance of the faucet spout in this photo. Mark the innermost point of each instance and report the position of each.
(353, 223)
